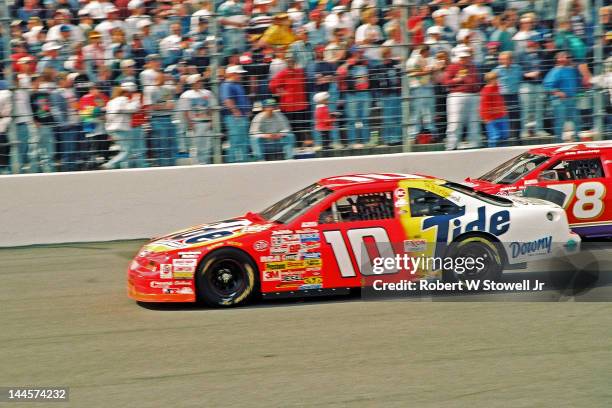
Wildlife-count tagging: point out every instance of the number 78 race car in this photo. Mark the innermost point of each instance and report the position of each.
(342, 232)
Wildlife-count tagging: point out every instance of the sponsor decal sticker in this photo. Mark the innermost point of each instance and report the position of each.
(157, 285)
(400, 193)
(310, 224)
(291, 277)
(401, 202)
(537, 247)
(274, 258)
(310, 286)
(260, 245)
(312, 255)
(415, 245)
(271, 276)
(256, 228)
(189, 255)
(312, 237)
(165, 271)
(313, 280)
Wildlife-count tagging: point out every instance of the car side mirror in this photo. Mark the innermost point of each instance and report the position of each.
(548, 175)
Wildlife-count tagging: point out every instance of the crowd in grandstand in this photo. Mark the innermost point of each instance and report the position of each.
(157, 80)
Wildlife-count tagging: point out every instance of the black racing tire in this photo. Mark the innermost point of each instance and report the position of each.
(227, 277)
(475, 247)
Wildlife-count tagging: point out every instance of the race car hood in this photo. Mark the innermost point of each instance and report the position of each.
(208, 234)
(527, 201)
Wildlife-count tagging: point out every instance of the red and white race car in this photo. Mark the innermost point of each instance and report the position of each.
(581, 171)
(327, 238)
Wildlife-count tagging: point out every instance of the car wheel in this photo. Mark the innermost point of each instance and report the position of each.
(226, 278)
(488, 262)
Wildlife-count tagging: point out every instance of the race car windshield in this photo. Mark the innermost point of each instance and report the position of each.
(512, 170)
(291, 207)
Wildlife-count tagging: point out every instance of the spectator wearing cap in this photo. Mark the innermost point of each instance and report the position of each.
(128, 72)
(201, 35)
(149, 76)
(435, 40)
(510, 77)
(22, 154)
(42, 87)
(94, 54)
(160, 102)
(339, 17)
(462, 81)
(446, 33)
(271, 129)
(137, 14)
(68, 46)
(317, 32)
(50, 58)
(336, 49)
(197, 108)
(325, 120)
(119, 110)
(290, 85)
(21, 58)
(64, 108)
(493, 112)
(563, 83)
(468, 40)
(422, 110)
(355, 75)
(148, 43)
(279, 33)
(233, 19)
(531, 91)
(236, 109)
(139, 119)
(6, 110)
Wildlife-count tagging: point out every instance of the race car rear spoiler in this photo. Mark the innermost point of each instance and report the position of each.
(544, 193)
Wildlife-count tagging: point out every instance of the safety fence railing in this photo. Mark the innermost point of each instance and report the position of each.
(108, 85)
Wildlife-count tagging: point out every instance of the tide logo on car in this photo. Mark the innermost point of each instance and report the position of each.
(497, 224)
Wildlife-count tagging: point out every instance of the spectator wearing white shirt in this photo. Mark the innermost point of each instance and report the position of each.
(369, 35)
(111, 23)
(119, 112)
(62, 18)
(477, 8)
(171, 47)
(197, 107)
(6, 109)
(148, 77)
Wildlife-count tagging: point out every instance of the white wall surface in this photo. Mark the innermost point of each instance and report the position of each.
(142, 203)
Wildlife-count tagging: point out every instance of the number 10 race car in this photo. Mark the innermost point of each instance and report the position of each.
(328, 237)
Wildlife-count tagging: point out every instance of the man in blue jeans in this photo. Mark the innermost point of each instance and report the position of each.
(236, 109)
(563, 83)
(270, 129)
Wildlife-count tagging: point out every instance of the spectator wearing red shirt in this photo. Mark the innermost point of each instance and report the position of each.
(416, 25)
(324, 120)
(493, 111)
(461, 79)
(290, 86)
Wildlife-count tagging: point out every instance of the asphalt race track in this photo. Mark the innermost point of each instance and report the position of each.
(66, 321)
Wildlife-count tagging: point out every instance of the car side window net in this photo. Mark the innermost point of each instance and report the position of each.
(578, 169)
(360, 207)
(424, 203)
